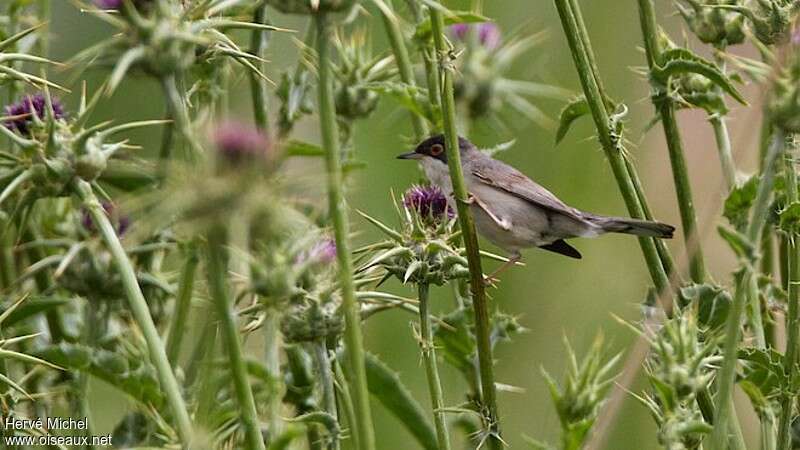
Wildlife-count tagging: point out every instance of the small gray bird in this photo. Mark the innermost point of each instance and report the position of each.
(513, 211)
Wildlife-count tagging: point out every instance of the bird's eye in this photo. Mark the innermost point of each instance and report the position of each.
(437, 149)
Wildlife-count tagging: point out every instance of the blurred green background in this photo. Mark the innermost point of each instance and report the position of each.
(554, 297)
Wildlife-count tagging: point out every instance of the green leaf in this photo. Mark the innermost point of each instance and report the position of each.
(739, 243)
(299, 148)
(763, 369)
(319, 417)
(680, 61)
(456, 344)
(386, 386)
(127, 177)
(423, 31)
(31, 307)
(413, 98)
(572, 111)
(790, 218)
(133, 376)
(133, 430)
(740, 201)
(712, 304)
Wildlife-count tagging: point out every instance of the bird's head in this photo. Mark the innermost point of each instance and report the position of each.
(435, 148)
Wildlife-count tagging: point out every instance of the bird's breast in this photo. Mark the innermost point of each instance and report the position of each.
(437, 173)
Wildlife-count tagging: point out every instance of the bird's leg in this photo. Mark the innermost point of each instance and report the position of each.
(515, 258)
(502, 223)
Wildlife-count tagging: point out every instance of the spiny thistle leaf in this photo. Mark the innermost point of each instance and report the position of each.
(680, 61)
(386, 386)
(574, 110)
(132, 376)
(740, 200)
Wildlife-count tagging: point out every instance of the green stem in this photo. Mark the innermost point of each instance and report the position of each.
(216, 265)
(721, 135)
(327, 384)
(467, 223)
(139, 309)
(272, 360)
(183, 302)
(258, 88)
(43, 42)
(330, 142)
(429, 359)
(661, 247)
(720, 126)
(680, 172)
(577, 37)
(743, 292)
(179, 114)
(402, 60)
(719, 436)
(793, 315)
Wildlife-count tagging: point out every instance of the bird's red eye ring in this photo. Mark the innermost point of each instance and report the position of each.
(437, 149)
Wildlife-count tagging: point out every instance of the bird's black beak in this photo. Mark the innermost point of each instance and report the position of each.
(410, 155)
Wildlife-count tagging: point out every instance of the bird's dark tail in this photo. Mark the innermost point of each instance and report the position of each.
(632, 226)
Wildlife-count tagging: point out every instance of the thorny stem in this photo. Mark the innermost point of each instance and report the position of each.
(479, 301)
(743, 292)
(272, 360)
(793, 315)
(217, 268)
(258, 88)
(577, 38)
(429, 358)
(721, 135)
(326, 383)
(680, 172)
(43, 43)
(429, 61)
(177, 111)
(402, 60)
(183, 302)
(719, 124)
(330, 142)
(139, 309)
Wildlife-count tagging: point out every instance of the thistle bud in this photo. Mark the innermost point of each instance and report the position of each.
(311, 6)
(30, 108)
(120, 222)
(322, 253)
(108, 4)
(489, 36)
(784, 103)
(239, 145)
(114, 5)
(714, 25)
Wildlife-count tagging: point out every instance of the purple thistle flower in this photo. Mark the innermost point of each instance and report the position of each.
(428, 201)
(322, 252)
(121, 222)
(108, 4)
(489, 34)
(112, 5)
(238, 143)
(26, 107)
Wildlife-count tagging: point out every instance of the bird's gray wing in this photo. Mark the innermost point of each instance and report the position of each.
(502, 176)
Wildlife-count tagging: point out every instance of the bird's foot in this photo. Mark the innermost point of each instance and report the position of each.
(491, 279)
(470, 200)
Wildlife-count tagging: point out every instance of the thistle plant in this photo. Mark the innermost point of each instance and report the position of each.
(680, 368)
(214, 282)
(484, 89)
(579, 398)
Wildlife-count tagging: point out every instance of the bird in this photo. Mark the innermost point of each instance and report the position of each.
(514, 212)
